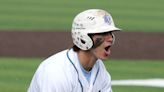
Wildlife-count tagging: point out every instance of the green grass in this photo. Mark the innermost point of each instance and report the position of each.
(16, 73)
(135, 69)
(130, 15)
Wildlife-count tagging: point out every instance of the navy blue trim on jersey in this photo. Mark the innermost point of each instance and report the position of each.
(76, 71)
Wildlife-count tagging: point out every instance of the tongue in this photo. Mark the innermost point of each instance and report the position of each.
(107, 52)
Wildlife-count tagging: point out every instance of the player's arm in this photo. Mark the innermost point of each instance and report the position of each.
(49, 80)
(106, 79)
(107, 84)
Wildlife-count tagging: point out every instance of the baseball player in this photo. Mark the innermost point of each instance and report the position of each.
(80, 68)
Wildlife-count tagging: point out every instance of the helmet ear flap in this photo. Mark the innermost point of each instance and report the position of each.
(83, 41)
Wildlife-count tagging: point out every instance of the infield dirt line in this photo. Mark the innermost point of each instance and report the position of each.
(128, 45)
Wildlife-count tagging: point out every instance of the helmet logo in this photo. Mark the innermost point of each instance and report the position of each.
(91, 18)
(78, 26)
(107, 19)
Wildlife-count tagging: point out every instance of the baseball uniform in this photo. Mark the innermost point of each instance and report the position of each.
(62, 72)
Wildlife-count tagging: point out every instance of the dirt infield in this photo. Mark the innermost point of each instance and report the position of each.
(129, 45)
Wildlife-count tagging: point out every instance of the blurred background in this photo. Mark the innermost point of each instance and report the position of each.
(32, 30)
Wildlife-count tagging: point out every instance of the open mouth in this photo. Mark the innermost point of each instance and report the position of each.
(107, 48)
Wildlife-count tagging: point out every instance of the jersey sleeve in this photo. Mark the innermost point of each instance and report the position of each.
(50, 80)
(106, 84)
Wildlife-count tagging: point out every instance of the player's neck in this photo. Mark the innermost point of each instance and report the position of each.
(86, 60)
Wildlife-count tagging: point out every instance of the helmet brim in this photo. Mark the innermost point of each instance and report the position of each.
(104, 29)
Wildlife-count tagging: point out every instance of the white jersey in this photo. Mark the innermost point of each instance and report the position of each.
(62, 73)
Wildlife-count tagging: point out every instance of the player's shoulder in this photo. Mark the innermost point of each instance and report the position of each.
(57, 66)
(103, 70)
(59, 55)
(56, 58)
(54, 62)
(101, 64)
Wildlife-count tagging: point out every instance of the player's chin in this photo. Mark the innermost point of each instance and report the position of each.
(104, 58)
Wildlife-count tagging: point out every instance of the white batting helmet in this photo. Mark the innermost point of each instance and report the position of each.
(88, 22)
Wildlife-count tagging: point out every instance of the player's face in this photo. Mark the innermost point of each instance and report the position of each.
(102, 44)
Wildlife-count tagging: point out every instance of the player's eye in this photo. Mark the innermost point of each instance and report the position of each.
(101, 34)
